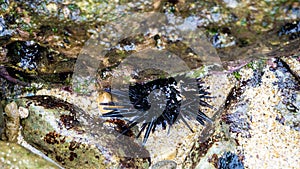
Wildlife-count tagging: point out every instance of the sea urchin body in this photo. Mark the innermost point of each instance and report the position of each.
(160, 102)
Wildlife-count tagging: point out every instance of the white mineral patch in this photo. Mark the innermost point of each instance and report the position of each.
(23, 112)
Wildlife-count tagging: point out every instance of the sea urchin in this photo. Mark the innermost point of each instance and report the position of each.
(160, 102)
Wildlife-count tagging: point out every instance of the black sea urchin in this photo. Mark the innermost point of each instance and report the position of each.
(148, 106)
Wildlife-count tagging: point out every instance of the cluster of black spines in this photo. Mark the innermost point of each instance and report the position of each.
(139, 98)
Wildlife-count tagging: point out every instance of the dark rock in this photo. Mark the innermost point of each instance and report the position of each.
(290, 29)
(72, 137)
(25, 54)
(5, 33)
(288, 84)
(230, 161)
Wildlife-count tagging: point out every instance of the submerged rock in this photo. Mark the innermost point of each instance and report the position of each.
(73, 138)
(25, 54)
(15, 156)
(30, 62)
(230, 161)
(290, 29)
(5, 33)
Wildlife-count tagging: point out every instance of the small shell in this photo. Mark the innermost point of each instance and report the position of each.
(104, 98)
(12, 122)
(104, 101)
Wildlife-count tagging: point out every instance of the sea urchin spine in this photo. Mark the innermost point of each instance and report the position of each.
(145, 104)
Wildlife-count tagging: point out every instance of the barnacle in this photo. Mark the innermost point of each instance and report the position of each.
(160, 102)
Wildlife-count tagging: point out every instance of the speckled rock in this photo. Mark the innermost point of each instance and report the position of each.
(15, 156)
(294, 64)
(249, 125)
(271, 143)
(73, 138)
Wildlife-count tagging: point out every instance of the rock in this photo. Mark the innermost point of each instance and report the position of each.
(294, 64)
(257, 127)
(15, 156)
(222, 40)
(254, 124)
(203, 140)
(291, 29)
(5, 33)
(73, 138)
(270, 142)
(34, 62)
(230, 161)
(289, 89)
(165, 164)
(25, 54)
(4, 5)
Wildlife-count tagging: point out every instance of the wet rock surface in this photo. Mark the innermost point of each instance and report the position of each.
(5, 34)
(230, 160)
(15, 156)
(254, 84)
(288, 85)
(69, 138)
(249, 124)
